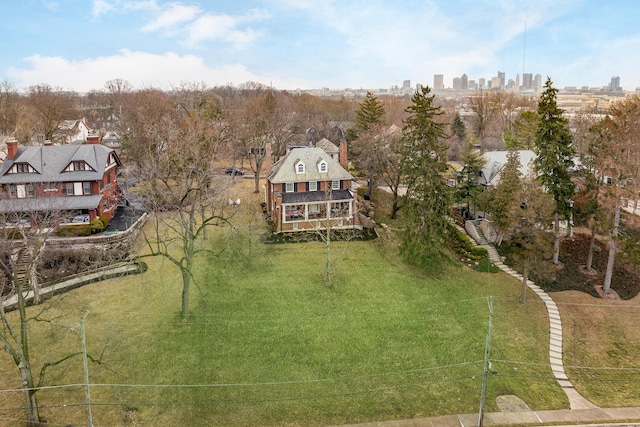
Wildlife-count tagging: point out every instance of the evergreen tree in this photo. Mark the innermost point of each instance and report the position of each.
(428, 197)
(370, 113)
(523, 135)
(468, 189)
(369, 121)
(503, 195)
(458, 127)
(555, 156)
(530, 239)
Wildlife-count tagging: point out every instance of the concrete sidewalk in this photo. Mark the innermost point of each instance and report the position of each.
(573, 417)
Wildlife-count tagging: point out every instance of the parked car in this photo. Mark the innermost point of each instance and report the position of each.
(234, 171)
(80, 219)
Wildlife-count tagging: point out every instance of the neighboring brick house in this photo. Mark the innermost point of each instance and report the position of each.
(77, 182)
(308, 190)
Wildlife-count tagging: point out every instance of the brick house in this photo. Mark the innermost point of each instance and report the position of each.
(309, 190)
(76, 182)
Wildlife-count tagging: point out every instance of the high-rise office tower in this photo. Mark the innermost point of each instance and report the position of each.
(457, 83)
(464, 82)
(615, 83)
(527, 81)
(438, 82)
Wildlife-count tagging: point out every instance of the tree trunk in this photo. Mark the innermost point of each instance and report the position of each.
(613, 246)
(186, 283)
(33, 283)
(24, 364)
(556, 242)
(33, 416)
(592, 245)
(525, 279)
(327, 273)
(394, 206)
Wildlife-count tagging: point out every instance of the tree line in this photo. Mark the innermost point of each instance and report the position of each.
(174, 141)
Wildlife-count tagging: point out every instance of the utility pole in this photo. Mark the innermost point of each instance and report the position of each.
(87, 393)
(487, 365)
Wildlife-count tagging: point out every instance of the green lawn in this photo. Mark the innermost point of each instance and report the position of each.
(269, 343)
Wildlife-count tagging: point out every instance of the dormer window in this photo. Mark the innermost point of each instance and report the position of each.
(299, 167)
(21, 168)
(78, 165)
(322, 167)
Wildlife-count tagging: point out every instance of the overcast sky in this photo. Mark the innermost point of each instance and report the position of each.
(81, 44)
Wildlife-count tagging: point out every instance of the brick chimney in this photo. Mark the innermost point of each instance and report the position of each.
(93, 139)
(12, 149)
(342, 156)
(267, 163)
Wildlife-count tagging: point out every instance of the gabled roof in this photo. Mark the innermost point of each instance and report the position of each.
(496, 160)
(284, 170)
(328, 146)
(49, 161)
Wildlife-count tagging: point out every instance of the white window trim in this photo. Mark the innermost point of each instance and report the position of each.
(323, 167)
(335, 184)
(300, 167)
(289, 187)
(313, 185)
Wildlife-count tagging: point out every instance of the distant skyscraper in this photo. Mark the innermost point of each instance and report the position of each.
(482, 83)
(516, 85)
(501, 76)
(438, 82)
(457, 83)
(527, 81)
(615, 83)
(406, 84)
(464, 82)
(537, 82)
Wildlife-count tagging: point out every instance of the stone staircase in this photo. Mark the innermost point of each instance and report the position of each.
(21, 263)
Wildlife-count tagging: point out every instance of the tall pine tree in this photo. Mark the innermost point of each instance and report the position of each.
(555, 157)
(467, 188)
(428, 197)
(369, 121)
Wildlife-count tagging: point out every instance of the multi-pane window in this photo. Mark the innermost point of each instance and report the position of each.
(78, 166)
(313, 186)
(13, 191)
(288, 187)
(22, 168)
(335, 185)
(322, 167)
(86, 188)
(300, 168)
(69, 187)
(31, 191)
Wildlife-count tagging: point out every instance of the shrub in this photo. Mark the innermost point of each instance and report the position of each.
(97, 225)
(74, 230)
(105, 220)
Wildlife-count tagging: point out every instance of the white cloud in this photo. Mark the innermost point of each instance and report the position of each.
(51, 5)
(210, 27)
(101, 7)
(140, 69)
(171, 15)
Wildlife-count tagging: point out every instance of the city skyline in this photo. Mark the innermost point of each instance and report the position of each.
(311, 44)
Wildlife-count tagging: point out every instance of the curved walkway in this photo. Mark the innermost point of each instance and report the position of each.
(555, 332)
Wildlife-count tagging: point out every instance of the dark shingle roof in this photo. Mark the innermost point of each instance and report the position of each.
(284, 170)
(316, 196)
(50, 161)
